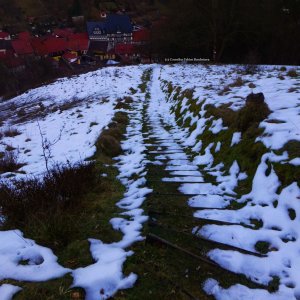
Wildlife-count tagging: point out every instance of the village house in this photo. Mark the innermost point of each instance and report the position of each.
(21, 45)
(113, 38)
(117, 34)
(99, 50)
(116, 28)
(9, 58)
(5, 36)
(140, 36)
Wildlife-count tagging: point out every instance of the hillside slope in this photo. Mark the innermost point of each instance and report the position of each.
(202, 201)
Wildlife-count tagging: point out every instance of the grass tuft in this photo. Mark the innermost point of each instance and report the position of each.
(262, 247)
(109, 145)
(292, 73)
(9, 162)
(11, 132)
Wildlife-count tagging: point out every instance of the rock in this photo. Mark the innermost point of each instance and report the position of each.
(255, 98)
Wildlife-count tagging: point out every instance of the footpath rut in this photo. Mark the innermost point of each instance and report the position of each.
(173, 261)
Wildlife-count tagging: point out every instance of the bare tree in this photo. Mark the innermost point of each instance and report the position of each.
(47, 145)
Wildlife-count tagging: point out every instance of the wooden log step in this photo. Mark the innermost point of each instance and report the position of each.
(150, 238)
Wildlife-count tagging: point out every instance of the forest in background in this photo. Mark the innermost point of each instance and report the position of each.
(232, 31)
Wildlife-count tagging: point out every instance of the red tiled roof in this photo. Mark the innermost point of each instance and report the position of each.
(3, 34)
(80, 36)
(142, 35)
(6, 54)
(64, 33)
(22, 47)
(78, 45)
(122, 49)
(55, 45)
(48, 45)
(25, 35)
(38, 46)
(78, 42)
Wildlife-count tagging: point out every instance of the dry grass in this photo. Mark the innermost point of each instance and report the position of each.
(238, 82)
(109, 145)
(9, 162)
(121, 117)
(292, 73)
(109, 141)
(124, 103)
(11, 132)
(248, 116)
(27, 201)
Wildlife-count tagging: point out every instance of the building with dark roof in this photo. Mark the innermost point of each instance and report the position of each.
(100, 50)
(96, 31)
(114, 29)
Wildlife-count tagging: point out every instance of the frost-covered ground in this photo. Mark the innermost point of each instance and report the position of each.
(71, 114)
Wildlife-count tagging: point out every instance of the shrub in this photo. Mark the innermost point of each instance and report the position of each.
(237, 83)
(292, 214)
(255, 111)
(26, 200)
(128, 100)
(109, 141)
(122, 105)
(133, 91)
(262, 247)
(252, 59)
(121, 117)
(273, 285)
(21, 112)
(251, 69)
(113, 131)
(109, 145)
(292, 73)
(9, 162)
